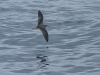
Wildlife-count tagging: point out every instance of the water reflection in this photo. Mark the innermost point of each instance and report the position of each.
(43, 61)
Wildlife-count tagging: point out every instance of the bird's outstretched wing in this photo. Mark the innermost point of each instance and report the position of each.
(40, 18)
(45, 33)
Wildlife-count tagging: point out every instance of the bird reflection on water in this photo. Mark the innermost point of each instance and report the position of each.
(43, 61)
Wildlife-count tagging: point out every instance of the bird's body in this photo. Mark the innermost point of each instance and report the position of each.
(41, 26)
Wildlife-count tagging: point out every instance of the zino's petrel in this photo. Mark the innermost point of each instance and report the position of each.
(41, 26)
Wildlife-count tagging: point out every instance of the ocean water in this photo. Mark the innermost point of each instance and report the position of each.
(74, 37)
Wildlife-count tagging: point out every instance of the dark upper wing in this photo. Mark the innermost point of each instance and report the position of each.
(45, 33)
(40, 17)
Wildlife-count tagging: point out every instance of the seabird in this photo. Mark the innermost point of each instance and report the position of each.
(41, 26)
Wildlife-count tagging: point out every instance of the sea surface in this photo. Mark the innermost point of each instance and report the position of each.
(74, 37)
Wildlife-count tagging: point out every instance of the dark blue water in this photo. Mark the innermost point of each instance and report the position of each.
(74, 37)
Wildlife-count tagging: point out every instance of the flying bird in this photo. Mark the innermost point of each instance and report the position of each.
(41, 26)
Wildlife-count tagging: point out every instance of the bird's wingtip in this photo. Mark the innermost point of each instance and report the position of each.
(38, 10)
(47, 40)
